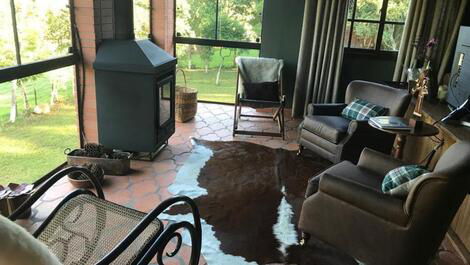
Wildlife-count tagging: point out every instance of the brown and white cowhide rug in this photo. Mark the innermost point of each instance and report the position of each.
(249, 197)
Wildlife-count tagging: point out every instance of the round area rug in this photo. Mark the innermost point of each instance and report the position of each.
(250, 197)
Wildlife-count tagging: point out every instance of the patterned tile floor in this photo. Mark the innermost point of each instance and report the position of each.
(147, 185)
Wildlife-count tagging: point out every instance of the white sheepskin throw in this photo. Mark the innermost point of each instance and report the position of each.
(18, 247)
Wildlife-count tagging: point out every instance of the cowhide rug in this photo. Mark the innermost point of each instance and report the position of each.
(250, 197)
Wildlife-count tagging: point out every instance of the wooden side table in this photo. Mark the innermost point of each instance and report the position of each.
(425, 130)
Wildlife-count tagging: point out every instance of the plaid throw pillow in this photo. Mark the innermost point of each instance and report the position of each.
(400, 175)
(360, 109)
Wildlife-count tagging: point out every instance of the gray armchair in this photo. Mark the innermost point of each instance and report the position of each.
(325, 132)
(346, 208)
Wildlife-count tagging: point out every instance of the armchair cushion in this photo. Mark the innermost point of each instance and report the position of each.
(360, 109)
(349, 171)
(401, 175)
(330, 128)
(365, 198)
(326, 109)
(378, 162)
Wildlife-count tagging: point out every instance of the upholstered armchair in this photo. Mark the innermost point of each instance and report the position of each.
(346, 208)
(325, 132)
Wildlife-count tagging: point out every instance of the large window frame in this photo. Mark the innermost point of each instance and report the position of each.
(382, 22)
(215, 42)
(42, 66)
(24, 70)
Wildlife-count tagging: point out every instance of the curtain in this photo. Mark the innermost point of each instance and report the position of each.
(429, 19)
(321, 53)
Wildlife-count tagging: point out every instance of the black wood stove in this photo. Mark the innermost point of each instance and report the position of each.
(135, 90)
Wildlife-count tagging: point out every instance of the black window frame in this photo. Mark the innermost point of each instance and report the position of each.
(29, 69)
(215, 42)
(382, 22)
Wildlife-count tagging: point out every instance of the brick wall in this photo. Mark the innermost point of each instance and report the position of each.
(163, 26)
(84, 14)
(95, 22)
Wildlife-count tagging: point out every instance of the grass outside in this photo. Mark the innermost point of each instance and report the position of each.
(205, 84)
(34, 144)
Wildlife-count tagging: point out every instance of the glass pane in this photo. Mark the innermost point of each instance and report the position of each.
(240, 20)
(350, 8)
(210, 70)
(364, 35)
(391, 37)
(347, 33)
(397, 10)
(46, 124)
(43, 28)
(165, 103)
(7, 44)
(368, 9)
(196, 18)
(141, 19)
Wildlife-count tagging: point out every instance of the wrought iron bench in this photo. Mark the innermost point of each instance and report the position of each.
(86, 229)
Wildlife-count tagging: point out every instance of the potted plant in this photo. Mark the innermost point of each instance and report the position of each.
(112, 162)
(185, 101)
(78, 180)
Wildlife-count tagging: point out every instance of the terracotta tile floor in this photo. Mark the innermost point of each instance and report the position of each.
(147, 185)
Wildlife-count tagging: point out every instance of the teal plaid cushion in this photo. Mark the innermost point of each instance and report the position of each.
(400, 175)
(360, 109)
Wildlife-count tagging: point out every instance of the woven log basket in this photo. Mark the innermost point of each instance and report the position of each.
(186, 101)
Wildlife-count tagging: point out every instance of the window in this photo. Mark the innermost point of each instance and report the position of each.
(376, 24)
(43, 29)
(209, 35)
(38, 119)
(141, 19)
(227, 20)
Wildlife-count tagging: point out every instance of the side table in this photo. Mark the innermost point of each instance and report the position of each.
(425, 130)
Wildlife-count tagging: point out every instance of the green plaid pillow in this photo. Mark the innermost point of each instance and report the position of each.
(360, 109)
(400, 175)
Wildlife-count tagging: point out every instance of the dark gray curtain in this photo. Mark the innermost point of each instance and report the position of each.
(321, 53)
(428, 19)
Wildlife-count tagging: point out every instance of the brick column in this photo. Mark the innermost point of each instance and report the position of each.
(163, 24)
(84, 16)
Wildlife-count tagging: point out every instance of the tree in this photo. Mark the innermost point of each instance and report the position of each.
(58, 29)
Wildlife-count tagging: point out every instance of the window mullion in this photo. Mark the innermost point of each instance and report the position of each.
(217, 20)
(383, 16)
(15, 32)
(351, 29)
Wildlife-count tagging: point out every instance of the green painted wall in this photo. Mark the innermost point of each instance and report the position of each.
(282, 27)
(368, 67)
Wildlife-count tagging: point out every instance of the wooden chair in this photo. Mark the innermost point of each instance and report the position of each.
(275, 67)
(86, 229)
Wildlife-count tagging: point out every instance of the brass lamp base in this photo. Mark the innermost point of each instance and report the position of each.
(416, 123)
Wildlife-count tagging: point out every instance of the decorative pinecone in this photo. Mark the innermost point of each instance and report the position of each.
(95, 169)
(79, 152)
(119, 155)
(94, 150)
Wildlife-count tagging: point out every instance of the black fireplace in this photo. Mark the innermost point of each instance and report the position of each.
(135, 90)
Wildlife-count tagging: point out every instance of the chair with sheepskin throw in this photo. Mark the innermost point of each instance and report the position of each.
(86, 229)
(346, 207)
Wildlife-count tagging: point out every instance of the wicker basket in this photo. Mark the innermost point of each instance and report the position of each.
(186, 101)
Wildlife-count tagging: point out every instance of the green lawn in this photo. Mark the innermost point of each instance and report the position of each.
(34, 144)
(204, 82)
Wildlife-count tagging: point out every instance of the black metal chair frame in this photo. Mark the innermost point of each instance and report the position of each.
(278, 115)
(155, 247)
